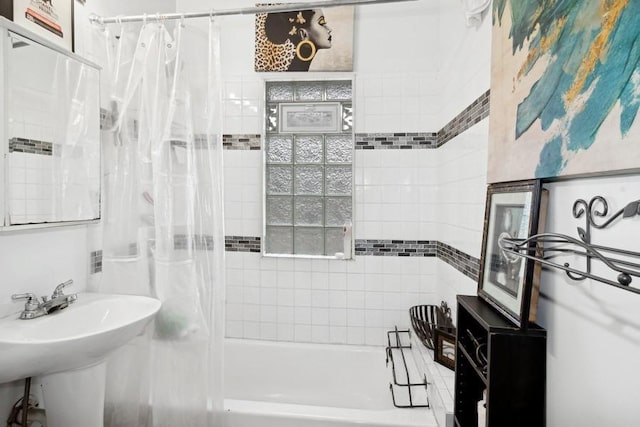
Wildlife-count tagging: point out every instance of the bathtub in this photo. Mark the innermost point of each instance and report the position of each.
(275, 384)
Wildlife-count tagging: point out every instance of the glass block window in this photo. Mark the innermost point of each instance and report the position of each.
(308, 167)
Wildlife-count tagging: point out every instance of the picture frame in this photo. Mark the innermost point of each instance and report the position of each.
(314, 117)
(579, 130)
(283, 42)
(508, 282)
(444, 351)
(50, 19)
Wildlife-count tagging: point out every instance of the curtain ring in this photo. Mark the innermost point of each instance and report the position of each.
(119, 22)
(211, 14)
(158, 17)
(144, 19)
(182, 20)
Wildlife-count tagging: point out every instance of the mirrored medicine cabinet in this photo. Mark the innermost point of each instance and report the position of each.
(50, 131)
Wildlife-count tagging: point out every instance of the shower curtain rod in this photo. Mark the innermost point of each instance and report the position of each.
(96, 19)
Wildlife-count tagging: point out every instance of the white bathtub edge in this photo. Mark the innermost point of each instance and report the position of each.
(411, 417)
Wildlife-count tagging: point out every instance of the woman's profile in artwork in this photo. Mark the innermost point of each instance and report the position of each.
(289, 41)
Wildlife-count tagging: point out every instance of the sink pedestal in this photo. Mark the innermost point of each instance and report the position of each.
(66, 351)
(75, 398)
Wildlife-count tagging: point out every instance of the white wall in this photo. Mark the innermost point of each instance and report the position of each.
(593, 330)
(464, 55)
(463, 76)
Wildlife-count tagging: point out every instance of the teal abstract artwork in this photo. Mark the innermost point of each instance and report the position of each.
(565, 88)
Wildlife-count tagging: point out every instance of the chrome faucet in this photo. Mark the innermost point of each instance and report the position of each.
(58, 301)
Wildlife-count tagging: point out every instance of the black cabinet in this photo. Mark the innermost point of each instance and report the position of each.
(507, 361)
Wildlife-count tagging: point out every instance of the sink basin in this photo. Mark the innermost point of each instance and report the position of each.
(76, 337)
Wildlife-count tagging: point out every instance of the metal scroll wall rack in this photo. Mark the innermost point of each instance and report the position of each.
(545, 247)
(407, 386)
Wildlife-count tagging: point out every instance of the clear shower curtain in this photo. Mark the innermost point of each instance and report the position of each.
(163, 221)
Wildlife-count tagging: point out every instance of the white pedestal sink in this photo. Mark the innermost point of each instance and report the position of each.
(67, 349)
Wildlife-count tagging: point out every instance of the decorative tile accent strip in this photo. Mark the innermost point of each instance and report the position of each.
(478, 110)
(31, 146)
(242, 244)
(202, 242)
(464, 263)
(241, 142)
(422, 248)
(402, 140)
(95, 262)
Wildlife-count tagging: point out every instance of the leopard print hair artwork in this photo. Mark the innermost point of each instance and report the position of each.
(271, 56)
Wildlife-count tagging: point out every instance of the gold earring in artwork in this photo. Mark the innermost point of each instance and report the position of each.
(311, 46)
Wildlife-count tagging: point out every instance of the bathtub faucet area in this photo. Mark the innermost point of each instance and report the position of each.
(58, 301)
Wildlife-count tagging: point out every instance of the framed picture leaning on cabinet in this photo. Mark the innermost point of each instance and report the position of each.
(508, 282)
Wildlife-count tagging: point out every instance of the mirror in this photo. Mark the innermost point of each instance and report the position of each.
(52, 122)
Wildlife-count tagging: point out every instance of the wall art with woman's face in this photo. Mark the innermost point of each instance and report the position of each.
(305, 40)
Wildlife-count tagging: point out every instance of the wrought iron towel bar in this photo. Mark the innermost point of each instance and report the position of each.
(545, 246)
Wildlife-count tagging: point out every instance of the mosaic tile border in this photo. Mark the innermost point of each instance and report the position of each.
(241, 141)
(474, 113)
(466, 264)
(30, 146)
(195, 242)
(461, 261)
(371, 141)
(95, 262)
(242, 244)
(422, 248)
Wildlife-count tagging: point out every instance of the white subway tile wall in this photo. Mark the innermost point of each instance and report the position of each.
(385, 102)
(461, 181)
(332, 301)
(30, 188)
(30, 174)
(391, 101)
(243, 105)
(432, 196)
(243, 192)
